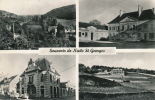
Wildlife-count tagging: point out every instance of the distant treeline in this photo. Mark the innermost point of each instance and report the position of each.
(97, 68)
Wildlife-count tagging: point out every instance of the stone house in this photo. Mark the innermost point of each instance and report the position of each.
(133, 26)
(39, 80)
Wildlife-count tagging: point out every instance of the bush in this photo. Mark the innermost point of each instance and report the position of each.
(104, 39)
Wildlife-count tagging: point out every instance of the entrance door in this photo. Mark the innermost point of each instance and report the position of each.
(31, 90)
(42, 91)
(91, 36)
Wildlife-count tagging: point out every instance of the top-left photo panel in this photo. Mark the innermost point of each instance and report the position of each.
(34, 24)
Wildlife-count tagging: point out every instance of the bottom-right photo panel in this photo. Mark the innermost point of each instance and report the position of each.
(124, 76)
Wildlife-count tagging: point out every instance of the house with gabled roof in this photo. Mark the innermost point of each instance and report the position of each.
(133, 26)
(40, 80)
(8, 85)
(92, 32)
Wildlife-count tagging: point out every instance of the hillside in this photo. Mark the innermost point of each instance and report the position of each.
(7, 14)
(65, 12)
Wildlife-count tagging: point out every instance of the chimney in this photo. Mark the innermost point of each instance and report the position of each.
(140, 9)
(153, 10)
(121, 13)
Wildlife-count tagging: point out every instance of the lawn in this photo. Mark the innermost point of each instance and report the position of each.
(118, 45)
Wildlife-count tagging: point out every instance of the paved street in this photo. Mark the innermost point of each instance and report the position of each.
(61, 98)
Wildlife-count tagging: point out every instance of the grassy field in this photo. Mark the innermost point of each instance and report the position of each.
(142, 96)
(138, 81)
(119, 45)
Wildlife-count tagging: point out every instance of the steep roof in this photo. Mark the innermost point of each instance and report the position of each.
(145, 15)
(43, 64)
(85, 25)
(8, 80)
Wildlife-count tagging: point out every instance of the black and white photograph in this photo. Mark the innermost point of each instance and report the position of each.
(35, 77)
(124, 76)
(124, 24)
(31, 24)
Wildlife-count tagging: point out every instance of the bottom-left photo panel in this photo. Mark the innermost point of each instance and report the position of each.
(33, 76)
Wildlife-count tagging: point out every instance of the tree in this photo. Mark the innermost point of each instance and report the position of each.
(95, 22)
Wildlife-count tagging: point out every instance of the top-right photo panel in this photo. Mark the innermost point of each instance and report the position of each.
(124, 24)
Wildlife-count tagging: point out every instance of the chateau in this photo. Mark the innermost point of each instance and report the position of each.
(133, 26)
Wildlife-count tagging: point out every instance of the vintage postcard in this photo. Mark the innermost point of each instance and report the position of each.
(26, 24)
(31, 76)
(124, 76)
(124, 24)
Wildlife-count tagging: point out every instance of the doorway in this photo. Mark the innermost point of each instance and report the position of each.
(31, 90)
(42, 91)
(92, 36)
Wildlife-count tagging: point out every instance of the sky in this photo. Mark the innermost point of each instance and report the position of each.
(107, 10)
(126, 60)
(32, 7)
(15, 64)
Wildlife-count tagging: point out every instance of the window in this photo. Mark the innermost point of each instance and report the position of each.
(86, 34)
(50, 78)
(30, 79)
(145, 25)
(151, 26)
(151, 35)
(139, 35)
(109, 28)
(58, 81)
(134, 27)
(82, 33)
(127, 27)
(122, 28)
(117, 28)
(79, 34)
(139, 27)
(22, 80)
(22, 90)
(42, 77)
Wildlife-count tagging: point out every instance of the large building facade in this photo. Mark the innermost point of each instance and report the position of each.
(133, 26)
(40, 79)
(91, 32)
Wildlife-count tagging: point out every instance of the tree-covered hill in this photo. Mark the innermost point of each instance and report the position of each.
(65, 12)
